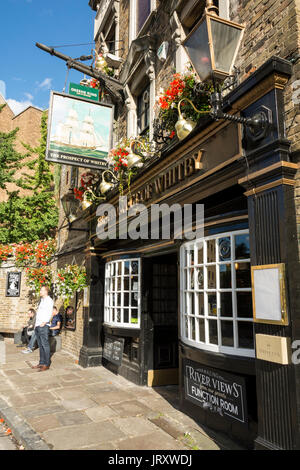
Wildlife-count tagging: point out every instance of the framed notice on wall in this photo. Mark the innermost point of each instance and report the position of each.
(13, 284)
(269, 294)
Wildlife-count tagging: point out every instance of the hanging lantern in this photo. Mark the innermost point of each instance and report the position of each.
(213, 44)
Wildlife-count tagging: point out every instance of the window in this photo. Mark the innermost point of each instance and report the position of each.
(143, 11)
(122, 293)
(143, 111)
(216, 299)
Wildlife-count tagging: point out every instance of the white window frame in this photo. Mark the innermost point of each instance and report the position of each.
(232, 350)
(111, 294)
(133, 33)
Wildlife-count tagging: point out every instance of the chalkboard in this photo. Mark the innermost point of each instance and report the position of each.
(113, 349)
(216, 391)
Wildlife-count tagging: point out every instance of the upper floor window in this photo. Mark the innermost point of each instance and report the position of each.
(140, 10)
(216, 298)
(143, 11)
(143, 111)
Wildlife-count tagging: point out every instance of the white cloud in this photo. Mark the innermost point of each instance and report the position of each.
(18, 106)
(2, 88)
(46, 84)
(28, 96)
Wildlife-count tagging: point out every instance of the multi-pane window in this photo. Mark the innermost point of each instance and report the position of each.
(143, 11)
(122, 293)
(143, 111)
(216, 299)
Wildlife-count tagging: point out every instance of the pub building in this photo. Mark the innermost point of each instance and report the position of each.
(176, 311)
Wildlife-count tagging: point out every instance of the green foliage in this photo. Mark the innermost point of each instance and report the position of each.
(35, 216)
(10, 159)
(28, 218)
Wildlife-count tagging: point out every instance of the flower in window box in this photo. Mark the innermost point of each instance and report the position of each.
(182, 86)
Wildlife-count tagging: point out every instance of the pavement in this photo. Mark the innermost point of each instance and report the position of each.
(69, 408)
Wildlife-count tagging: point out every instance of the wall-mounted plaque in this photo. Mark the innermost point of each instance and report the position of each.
(113, 349)
(215, 391)
(269, 294)
(13, 284)
(273, 349)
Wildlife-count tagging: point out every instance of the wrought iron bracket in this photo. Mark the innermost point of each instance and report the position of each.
(258, 125)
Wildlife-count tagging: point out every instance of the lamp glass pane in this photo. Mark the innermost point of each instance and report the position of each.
(197, 48)
(225, 42)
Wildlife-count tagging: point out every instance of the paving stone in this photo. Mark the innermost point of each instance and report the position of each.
(35, 411)
(100, 413)
(10, 373)
(6, 444)
(84, 435)
(155, 441)
(135, 426)
(112, 397)
(44, 423)
(131, 408)
(169, 426)
(72, 418)
(20, 400)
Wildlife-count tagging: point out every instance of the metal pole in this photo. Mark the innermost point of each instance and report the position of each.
(113, 86)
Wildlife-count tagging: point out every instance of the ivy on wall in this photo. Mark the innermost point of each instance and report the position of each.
(34, 216)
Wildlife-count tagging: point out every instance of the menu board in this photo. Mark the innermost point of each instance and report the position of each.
(113, 349)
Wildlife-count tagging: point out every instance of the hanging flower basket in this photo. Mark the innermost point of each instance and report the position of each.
(38, 277)
(182, 86)
(68, 281)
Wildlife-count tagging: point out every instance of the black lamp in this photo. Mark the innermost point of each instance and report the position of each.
(213, 44)
(70, 205)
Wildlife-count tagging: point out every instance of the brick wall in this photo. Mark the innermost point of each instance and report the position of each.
(13, 310)
(29, 124)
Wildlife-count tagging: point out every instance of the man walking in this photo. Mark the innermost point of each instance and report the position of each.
(43, 317)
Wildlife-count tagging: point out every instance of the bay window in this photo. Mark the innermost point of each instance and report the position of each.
(216, 298)
(122, 293)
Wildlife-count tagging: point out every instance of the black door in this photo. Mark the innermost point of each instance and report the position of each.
(163, 321)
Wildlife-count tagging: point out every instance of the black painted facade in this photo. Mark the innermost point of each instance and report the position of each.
(253, 192)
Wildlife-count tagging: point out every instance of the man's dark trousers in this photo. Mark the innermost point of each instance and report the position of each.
(42, 336)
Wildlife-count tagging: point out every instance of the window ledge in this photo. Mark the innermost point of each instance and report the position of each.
(131, 331)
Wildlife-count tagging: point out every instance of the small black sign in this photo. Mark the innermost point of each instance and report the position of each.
(215, 391)
(13, 284)
(113, 349)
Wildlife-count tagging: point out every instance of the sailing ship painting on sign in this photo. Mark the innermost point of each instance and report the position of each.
(79, 131)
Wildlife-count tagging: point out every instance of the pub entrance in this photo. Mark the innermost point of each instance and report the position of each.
(161, 290)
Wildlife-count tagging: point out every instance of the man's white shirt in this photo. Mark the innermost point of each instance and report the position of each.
(44, 311)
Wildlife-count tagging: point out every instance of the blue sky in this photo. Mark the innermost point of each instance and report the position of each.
(27, 74)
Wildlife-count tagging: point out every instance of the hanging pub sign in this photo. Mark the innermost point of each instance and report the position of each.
(215, 391)
(13, 284)
(79, 131)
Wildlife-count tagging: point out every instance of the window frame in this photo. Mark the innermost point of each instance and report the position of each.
(185, 289)
(111, 307)
(145, 112)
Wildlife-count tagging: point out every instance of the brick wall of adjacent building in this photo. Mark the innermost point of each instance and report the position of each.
(13, 310)
(29, 124)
